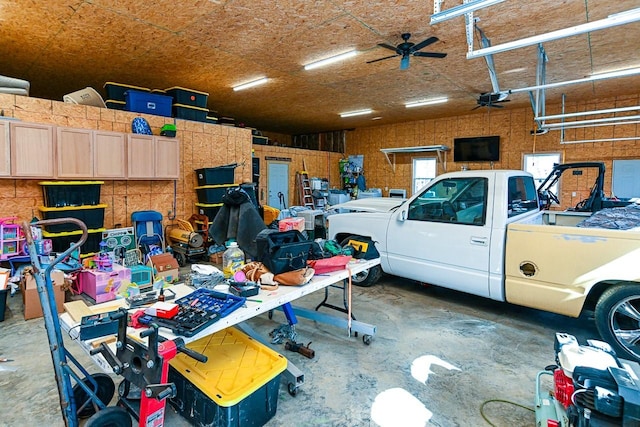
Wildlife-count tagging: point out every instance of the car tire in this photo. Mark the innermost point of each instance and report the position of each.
(366, 278)
(617, 317)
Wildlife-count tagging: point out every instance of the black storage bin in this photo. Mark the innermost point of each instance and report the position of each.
(115, 105)
(210, 210)
(60, 242)
(190, 97)
(187, 112)
(216, 176)
(212, 193)
(116, 91)
(260, 140)
(70, 193)
(92, 216)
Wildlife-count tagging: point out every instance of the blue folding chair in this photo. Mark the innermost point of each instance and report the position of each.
(148, 232)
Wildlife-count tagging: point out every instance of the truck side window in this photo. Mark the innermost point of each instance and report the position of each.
(457, 200)
(523, 196)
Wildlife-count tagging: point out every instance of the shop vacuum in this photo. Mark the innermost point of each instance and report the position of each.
(592, 387)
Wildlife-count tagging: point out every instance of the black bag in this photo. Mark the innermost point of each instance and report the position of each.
(364, 248)
(282, 251)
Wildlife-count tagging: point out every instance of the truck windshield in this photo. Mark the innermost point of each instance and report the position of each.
(455, 200)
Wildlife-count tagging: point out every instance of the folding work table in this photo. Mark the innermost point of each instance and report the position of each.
(269, 300)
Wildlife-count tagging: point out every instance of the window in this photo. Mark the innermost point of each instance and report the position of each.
(540, 166)
(523, 196)
(424, 170)
(456, 200)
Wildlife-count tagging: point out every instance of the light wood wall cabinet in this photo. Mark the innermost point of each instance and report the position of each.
(110, 154)
(32, 150)
(5, 149)
(74, 153)
(152, 157)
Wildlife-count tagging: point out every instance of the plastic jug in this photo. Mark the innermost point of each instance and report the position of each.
(232, 260)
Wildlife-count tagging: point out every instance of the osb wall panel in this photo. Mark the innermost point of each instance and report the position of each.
(202, 145)
(514, 128)
(319, 164)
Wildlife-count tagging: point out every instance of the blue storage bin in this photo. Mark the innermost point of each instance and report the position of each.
(150, 103)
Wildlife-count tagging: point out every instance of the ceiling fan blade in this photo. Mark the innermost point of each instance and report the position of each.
(404, 62)
(424, 43)
(388, 46)
(382, 59)
(476, 107)
(430, 54)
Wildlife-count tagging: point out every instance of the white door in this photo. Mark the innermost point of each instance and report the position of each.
(450, 226)
(278, 184)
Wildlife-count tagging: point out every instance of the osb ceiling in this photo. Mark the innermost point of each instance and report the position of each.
(61, 46)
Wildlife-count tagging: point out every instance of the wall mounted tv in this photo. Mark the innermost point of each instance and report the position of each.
(476, 149)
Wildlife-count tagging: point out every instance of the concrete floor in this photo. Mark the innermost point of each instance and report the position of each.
(485, 350)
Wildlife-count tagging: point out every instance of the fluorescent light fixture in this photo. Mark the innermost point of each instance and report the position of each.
(426, 102)
(356, 113)
(462, 9)
(591, 78)
(251, 84)
(621, 18)
(330, 60)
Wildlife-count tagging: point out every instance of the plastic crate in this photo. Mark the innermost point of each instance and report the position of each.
(70, 193)
(210, 210)
(190, 97)
(60, 242)
(238, 386)
(115, 105)
(116, 91)
(562, 387)
(212, 193)
(187, 112)
(92, 216)
(216, 176)
(150, 103)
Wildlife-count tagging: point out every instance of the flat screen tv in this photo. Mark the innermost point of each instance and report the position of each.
(476, 149)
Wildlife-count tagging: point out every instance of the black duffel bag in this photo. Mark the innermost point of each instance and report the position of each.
(282, 251)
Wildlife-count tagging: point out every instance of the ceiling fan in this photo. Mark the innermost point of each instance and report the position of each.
(491, 100)
(407, 48)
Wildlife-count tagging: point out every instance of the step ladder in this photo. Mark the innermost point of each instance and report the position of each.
(306, 198)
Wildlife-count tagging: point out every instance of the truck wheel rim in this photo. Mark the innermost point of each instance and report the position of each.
(625, 324)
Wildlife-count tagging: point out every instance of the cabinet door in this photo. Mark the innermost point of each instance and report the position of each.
(109, 159)
(5, 152)
(74, 153)
(140, 156)
(167, 158)
(32, 150)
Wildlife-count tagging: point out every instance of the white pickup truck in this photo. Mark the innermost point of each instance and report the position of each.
(482, 232)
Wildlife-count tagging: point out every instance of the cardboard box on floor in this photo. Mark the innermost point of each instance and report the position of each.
(31, 299)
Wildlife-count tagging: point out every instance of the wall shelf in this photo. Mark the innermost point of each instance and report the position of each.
(440, 150)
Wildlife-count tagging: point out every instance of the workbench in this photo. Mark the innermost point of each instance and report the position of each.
(268, 301)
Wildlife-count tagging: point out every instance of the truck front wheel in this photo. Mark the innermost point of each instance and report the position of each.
(617, 317)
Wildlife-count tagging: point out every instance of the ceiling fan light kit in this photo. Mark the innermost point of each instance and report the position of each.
(356, 113)
(252, 83)
(426, 102)
(331, 60)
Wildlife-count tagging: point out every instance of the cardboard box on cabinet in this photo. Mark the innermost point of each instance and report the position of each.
(31, 299)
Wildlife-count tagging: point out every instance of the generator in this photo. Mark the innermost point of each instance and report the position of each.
(592, 387)
(185, 242)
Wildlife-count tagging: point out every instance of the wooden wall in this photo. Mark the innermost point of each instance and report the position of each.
(514, 128)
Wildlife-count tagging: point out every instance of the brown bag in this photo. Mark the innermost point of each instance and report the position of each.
(254, 270)
(301, 276)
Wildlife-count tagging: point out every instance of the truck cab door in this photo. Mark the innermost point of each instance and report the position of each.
(443, 236)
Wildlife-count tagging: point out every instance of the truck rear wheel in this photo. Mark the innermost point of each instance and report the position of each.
(617, 317)
(366, 278)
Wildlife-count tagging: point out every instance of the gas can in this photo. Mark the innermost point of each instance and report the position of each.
(232, 260)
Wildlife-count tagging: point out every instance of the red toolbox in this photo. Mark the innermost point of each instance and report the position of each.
(103, 286)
